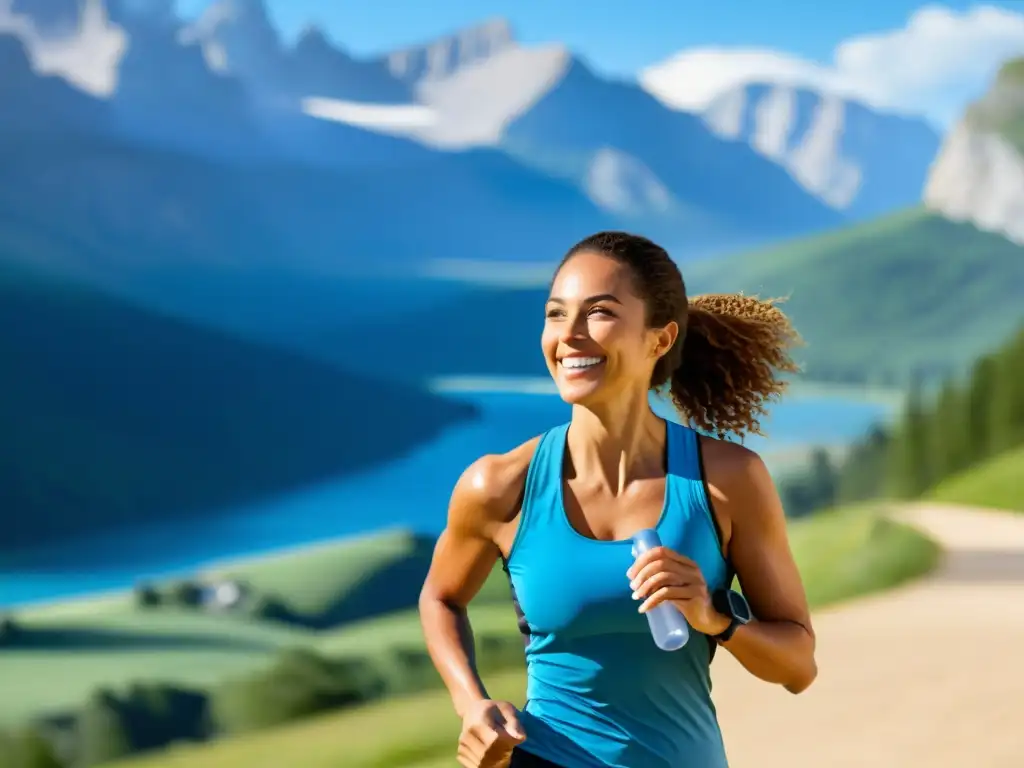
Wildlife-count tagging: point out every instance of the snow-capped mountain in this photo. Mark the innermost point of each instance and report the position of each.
(633, 156)
(856, 159)
(473, 127)
(476, 82)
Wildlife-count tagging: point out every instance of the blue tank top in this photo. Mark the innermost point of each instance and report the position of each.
(600, 693)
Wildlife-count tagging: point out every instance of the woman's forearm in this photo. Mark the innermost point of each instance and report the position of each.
(776, 651)
(449, 639)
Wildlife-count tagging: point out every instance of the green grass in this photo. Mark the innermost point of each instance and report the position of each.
(855, 552)
(348, 579)
(65, 658)
(312, 580)
(995, 483)
(842, 555)
(399, 732)
(72, 648)
(880, 299)
(402, 629)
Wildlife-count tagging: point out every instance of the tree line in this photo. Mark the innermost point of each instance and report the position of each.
(941, 432)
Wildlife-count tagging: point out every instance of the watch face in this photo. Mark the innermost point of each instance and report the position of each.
(739, 607)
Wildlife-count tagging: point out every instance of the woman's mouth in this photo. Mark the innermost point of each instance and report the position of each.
(579, 365)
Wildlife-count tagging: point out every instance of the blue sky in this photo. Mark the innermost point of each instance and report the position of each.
(615, 36)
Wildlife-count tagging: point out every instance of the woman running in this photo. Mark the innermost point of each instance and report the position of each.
(560, 509)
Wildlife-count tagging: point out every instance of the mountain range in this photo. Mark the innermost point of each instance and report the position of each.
(207, 169)
(862, 161)
(917, 294)
(209, 152)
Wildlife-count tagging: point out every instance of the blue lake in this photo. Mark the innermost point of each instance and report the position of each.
(412, 492)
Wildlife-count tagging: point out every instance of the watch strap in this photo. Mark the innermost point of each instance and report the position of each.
(726, 635)
(721, 603)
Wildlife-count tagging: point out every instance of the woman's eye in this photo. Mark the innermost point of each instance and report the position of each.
(602, 311)
(551, 313)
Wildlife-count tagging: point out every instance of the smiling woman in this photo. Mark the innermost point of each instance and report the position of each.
(560, 509)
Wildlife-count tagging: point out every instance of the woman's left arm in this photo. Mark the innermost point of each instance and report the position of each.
(778, 644)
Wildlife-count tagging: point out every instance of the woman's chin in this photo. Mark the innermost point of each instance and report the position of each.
(578, 393)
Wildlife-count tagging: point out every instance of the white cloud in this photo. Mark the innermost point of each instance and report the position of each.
(932, 66)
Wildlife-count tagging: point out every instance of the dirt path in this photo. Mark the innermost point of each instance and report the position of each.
(927, 675)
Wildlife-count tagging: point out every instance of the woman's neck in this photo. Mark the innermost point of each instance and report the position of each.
(618, 443)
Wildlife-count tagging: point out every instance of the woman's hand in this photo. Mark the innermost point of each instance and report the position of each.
(661, 575)
(490, 731)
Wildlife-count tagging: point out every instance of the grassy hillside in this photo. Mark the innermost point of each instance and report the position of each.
(841, 555)
(64, 651)
(112, 415)
(911, 292)
(994, 483)
(347, 580)
(856, 552)
(876, 301)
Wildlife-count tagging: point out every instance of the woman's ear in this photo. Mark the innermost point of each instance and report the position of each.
(665, 339)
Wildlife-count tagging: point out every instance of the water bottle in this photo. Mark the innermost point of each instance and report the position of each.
(668, 627)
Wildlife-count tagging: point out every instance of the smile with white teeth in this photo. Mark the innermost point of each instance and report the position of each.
(580, 363)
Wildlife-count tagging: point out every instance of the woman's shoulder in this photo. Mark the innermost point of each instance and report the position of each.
(731, 466)
(738, 483)
(490, 490)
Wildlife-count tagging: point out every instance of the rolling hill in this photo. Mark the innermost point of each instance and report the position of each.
(875, 302)
(113, 416)
(994, 483)
(912, 292)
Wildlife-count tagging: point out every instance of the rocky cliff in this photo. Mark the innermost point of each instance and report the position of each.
(978, 176)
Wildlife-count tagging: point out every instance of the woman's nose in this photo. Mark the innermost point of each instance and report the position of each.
(576, 328)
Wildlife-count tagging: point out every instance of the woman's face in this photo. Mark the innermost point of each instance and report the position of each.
(596, 340)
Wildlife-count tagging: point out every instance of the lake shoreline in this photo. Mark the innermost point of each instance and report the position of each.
(813, 415)
(543, 385)
(75, 604)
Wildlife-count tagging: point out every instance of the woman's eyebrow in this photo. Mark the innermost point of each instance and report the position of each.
(588, 300)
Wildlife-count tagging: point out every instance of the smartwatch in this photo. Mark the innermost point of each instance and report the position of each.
(734, 606)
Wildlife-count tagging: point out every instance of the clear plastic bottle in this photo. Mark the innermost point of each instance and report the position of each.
(668, 627)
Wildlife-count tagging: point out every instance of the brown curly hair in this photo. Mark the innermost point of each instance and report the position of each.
(726, 364)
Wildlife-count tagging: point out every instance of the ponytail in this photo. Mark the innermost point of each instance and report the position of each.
(733, 354)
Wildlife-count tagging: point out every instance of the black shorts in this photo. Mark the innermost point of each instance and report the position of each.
(521, 759)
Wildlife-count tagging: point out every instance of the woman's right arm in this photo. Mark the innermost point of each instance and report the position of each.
(483, 508)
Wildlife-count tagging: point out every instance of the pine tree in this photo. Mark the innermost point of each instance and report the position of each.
(1006, 412)
(949, 433)
(910, 470)
(863, 471)
(822, 478)
(980, 392)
